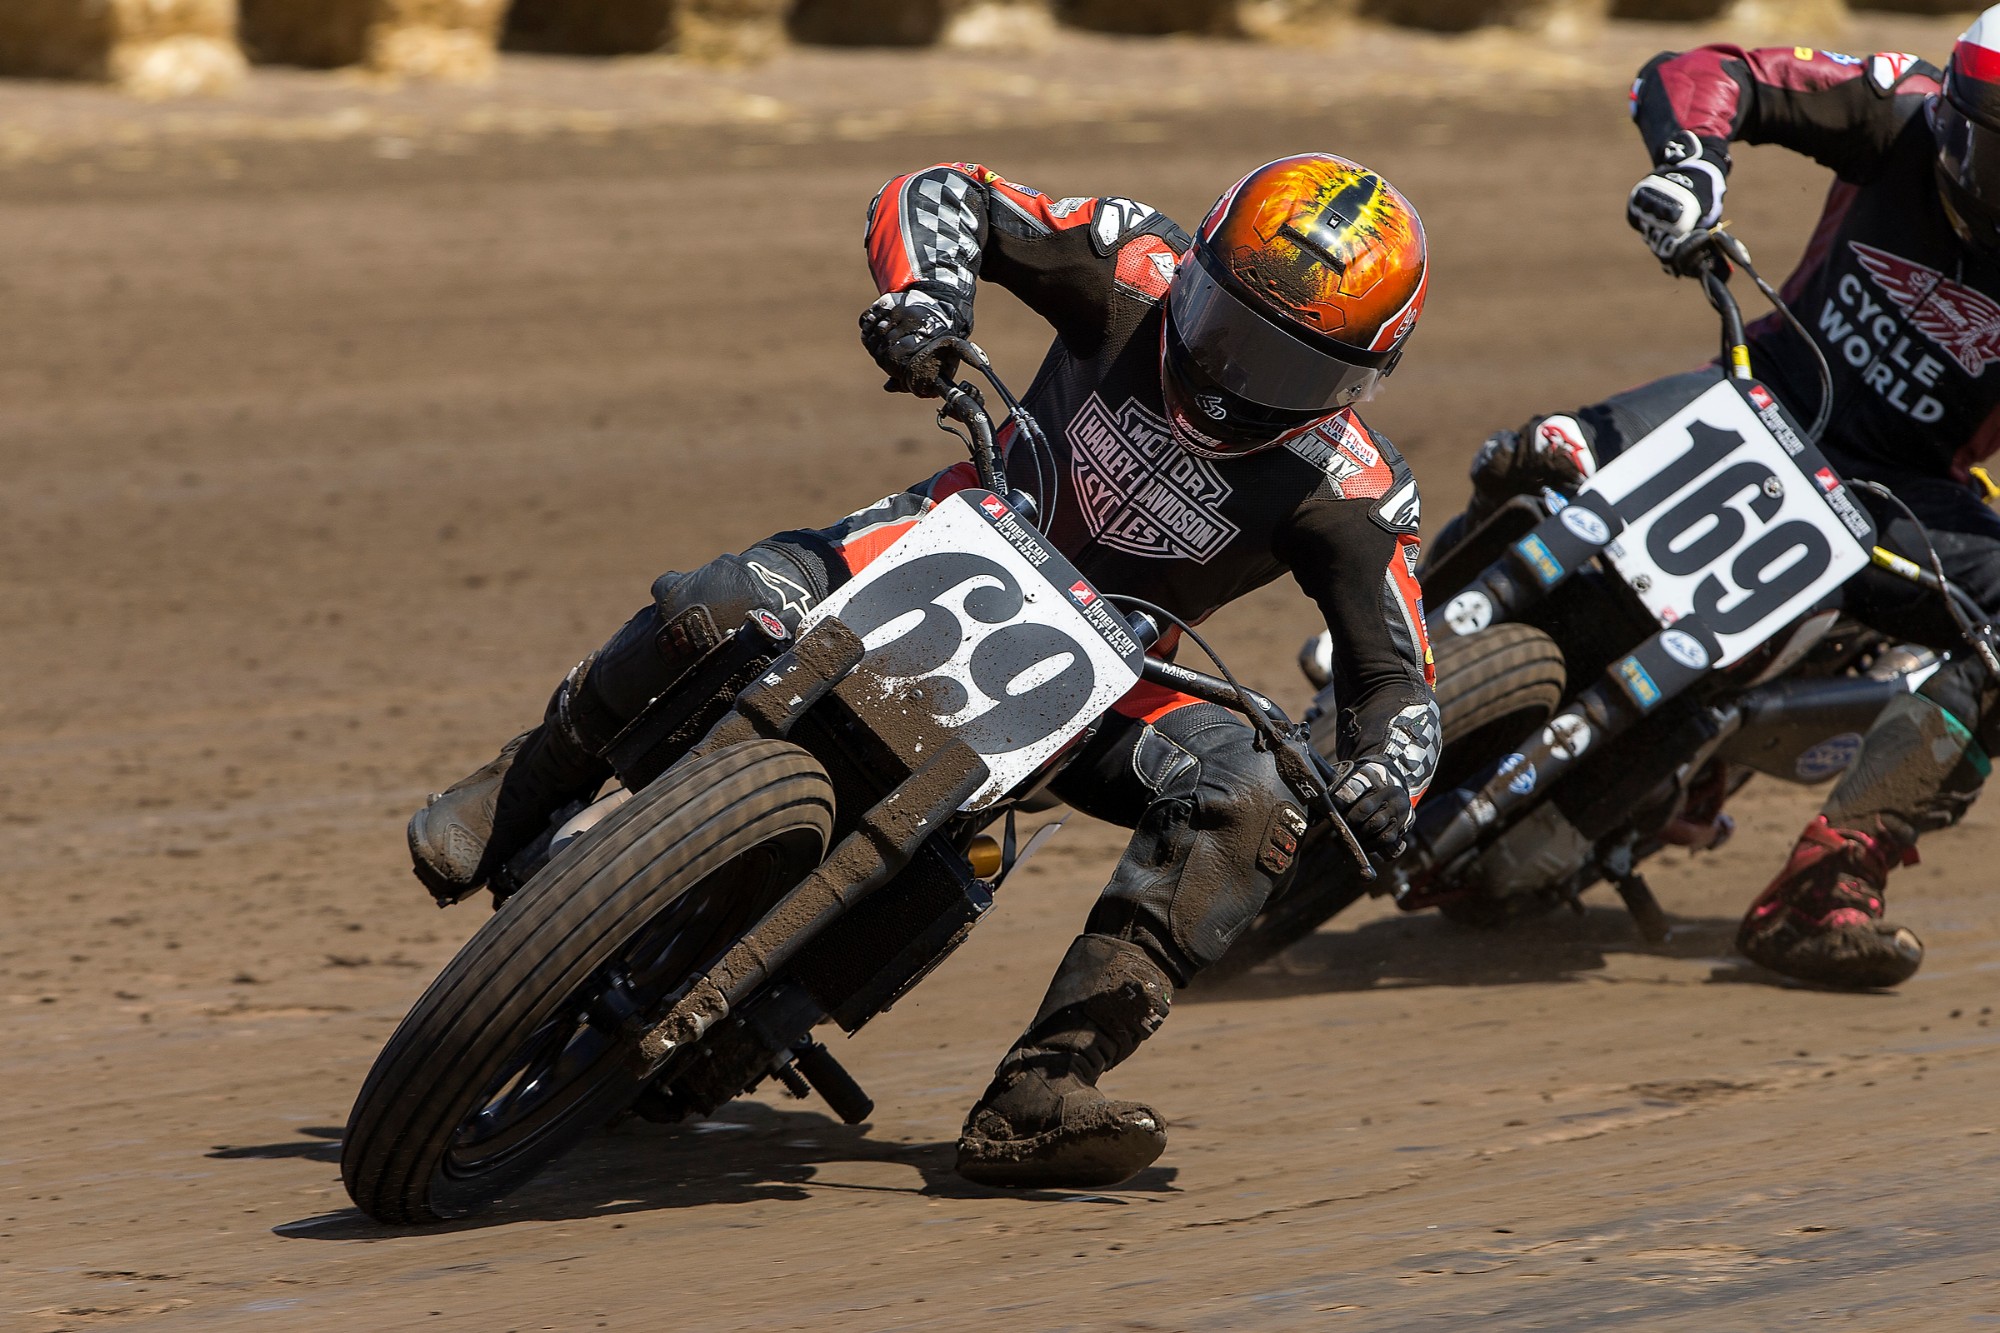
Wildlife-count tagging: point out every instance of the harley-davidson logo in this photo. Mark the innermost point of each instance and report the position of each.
(1142, 493)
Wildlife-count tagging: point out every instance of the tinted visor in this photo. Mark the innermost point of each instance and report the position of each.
(1969, 155)
(1244, 352)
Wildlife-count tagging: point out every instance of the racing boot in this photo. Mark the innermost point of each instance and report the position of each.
(1042, 1123)
(1821, 918)
(466, 832)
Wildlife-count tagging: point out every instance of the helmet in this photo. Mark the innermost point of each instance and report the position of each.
(1966, 120)
(1296, 299)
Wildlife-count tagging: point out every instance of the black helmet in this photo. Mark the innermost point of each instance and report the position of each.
(1966, 120)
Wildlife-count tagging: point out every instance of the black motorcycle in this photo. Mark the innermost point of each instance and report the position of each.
(1613, 665)
(799, 835)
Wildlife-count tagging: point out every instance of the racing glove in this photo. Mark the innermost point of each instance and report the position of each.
(1681, 196)
(906, 333)
(1375, 805)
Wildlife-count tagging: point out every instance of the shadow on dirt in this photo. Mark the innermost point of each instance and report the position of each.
(750, 1153)
(1427, 950)
(320, 1144)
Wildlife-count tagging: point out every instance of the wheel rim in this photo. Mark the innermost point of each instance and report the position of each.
(570, 1073)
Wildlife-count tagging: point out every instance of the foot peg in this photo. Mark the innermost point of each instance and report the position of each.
(816, 1065)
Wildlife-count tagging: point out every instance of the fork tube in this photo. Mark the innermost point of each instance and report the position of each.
(1632, 687)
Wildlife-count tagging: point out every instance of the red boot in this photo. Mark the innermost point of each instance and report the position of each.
(1821, 918)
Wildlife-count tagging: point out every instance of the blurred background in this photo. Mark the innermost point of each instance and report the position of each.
(363, 361)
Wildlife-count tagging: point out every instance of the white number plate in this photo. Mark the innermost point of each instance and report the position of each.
(1722, 521)
(1015, 650)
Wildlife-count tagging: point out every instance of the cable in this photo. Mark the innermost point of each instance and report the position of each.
(1255, 714)
(1295, 770)
(1735, 251)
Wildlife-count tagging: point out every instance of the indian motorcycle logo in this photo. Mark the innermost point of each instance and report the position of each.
(1141, 493)
(1960, 322)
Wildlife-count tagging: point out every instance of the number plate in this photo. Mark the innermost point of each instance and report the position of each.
(1016, 652)
(1725, 521)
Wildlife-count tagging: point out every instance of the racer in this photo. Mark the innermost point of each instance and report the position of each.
(1900, 287)
(1199, 401)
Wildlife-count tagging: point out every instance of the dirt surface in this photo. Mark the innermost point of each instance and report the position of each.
(321, 470)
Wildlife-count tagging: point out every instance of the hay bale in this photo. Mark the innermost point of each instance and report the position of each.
(451, 40)
(1669, 11)
(716, 31)
(1001, 26)
(154, 48)
(870, 22)
(591, 27)
(1926, 7)
(1213, 18)
(1564, 17)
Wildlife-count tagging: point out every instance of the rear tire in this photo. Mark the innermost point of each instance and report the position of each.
(516, 1051)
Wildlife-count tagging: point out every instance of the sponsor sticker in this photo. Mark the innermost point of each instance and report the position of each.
(1469, 612)
(1587, 525)
(1567, 736)
(769, 623)
(1536, 552)
(1638, 682)
(1083, 593)
(1761, 396)
(1685, 648)
(1520, 774)
(993, 505)
(1832, 755)
(1827, 481)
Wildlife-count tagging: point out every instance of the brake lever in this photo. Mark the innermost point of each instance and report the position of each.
(1301, 766)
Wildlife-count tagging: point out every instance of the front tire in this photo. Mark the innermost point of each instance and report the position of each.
(518, 1050)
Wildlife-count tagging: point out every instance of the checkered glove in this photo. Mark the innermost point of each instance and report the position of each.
(906, 332)
(1375, 805)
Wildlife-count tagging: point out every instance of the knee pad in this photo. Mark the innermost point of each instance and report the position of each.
(1205, 853)
(1920, 764)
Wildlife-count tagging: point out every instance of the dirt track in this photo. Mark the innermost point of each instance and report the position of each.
(321, 472)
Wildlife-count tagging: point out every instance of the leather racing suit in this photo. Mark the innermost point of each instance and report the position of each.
(1333, 504)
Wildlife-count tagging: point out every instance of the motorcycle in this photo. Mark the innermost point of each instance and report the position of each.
(1612, 666)
(798, 836)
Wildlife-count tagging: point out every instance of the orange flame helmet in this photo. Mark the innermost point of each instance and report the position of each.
(1301, 290)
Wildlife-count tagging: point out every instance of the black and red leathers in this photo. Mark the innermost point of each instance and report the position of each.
(1904, 310)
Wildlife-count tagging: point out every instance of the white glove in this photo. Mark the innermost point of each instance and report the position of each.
(1682, 195)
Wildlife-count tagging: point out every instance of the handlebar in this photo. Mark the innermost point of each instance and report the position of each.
(1710, 255)
(964, 403)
